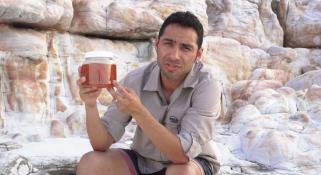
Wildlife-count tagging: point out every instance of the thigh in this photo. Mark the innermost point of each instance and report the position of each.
(190, 168)
(110, 162)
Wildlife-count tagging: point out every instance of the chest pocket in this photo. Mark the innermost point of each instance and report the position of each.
(173, 120)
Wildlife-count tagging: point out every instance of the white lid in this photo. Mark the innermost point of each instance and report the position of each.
(99, 57)
(99, 54)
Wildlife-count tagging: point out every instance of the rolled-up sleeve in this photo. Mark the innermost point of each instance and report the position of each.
(197, 126)
(115, 122)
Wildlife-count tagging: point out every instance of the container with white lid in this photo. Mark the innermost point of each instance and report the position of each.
(99, 69)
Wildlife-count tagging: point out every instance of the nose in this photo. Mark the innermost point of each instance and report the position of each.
(174, 53)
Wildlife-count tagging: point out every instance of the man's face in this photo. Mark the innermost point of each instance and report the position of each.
(177, 51)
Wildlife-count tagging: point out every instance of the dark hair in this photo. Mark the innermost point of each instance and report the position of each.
(184, 19)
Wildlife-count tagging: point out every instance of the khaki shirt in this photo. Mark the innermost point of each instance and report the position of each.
(191, 114)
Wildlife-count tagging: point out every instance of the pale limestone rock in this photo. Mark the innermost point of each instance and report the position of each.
(127, 18)
(306, 80)
(270, 147)
(1, 123)
(228, 58)
(75, 124)
(301, 21)
(13, 164)
(313, 98)
(242, 116)
(287, 53)
(60, 106)
(232, 109)
(269, 74)
(259, 58)
(2, 112)
(315, 57)
(302, 118)
(268, 101)
(244, 89)
(226, 101)
(313, 95)
(37, 13)
(290, 95)
(34, 45)
(305, 61)
(8, 146)
(280, 59)
(26, 84)
(57, 129)
(252, 23)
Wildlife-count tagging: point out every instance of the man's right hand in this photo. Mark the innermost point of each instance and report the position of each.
(88, 94)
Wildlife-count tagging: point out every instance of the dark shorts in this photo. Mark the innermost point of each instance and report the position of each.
(131, 158)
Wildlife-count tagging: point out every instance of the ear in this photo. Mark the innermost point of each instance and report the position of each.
(199, 55)
(156, 41)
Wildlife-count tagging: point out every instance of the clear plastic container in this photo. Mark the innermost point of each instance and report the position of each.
(99, 69)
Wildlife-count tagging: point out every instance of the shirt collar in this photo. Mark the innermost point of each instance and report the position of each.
(153, 82)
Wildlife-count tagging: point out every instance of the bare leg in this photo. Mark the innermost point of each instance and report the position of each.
(110, 162)
(191, 168)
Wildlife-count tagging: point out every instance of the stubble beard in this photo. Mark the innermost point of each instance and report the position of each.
(169, 75)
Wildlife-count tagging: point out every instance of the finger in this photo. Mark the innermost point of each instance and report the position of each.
(112, 92)
(89, 90)
(81, 80)
(121, 90)
(129, 90)
(97, 92)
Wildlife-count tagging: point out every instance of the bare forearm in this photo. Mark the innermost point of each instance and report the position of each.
(99, 138)
(167, 142)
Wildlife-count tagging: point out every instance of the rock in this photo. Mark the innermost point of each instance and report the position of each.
(26, 91)
(234, 65)
(301, 22)
(12, 164)
(306, 80)
(291, 97)
(8, 146)
(252, 23)
(232, 109)
(269, 74)
(57, 129)
(129, 19)
(34, 46)
(75, 124)
(313, 98)
(35, 13)
(244, 89)
(268, 101)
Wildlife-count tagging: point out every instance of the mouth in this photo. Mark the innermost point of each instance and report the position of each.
(172, 67)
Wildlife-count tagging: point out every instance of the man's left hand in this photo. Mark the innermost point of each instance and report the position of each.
(126, 99)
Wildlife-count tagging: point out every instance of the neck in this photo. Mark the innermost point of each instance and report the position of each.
(169, 86)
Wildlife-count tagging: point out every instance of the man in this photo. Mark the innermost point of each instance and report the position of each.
(175, 102)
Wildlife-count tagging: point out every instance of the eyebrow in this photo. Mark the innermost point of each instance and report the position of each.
(184, 44)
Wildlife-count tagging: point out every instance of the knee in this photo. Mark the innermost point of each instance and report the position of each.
(87, 163)
(180, 169)
(88, 158)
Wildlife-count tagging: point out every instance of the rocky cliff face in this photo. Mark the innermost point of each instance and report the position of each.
(265, 52)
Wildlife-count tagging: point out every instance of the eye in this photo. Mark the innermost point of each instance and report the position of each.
(186, 47)
(168, 43)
